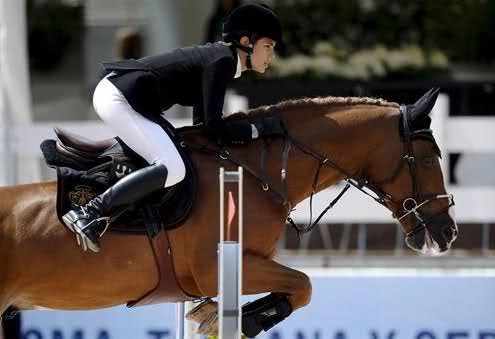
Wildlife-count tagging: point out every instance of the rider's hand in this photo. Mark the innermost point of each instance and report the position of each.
(236, 132)
(270, 126)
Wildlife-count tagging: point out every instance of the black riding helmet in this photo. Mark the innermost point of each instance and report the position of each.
(254, 21)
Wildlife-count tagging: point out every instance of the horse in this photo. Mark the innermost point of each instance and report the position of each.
(385, 149)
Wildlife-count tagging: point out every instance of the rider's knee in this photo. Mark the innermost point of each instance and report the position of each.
(176, 172)
(102, 99)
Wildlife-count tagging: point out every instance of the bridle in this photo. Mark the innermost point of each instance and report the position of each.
(408, 206)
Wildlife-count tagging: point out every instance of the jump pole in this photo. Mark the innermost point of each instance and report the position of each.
(230, 260)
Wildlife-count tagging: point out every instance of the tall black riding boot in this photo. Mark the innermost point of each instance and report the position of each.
(91, 220)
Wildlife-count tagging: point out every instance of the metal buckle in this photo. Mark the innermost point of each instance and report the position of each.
(406, 202)
(224, 154)
(409, 159)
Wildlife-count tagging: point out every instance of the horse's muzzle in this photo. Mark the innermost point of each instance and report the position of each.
(437, 237)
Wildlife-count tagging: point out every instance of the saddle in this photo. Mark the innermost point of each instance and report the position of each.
(86, 168)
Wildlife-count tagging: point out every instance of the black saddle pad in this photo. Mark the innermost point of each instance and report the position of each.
(78, 183)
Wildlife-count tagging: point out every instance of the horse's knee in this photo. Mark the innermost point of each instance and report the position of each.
(307, 288)
(304, 290)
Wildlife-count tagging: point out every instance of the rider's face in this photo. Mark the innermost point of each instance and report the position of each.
(263, 54)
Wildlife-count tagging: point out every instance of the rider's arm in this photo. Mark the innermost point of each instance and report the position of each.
(215, 78)
(214, 85)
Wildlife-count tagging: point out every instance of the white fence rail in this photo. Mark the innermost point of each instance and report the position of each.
(454, 134)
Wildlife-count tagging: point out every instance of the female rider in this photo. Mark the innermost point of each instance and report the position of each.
(136, 92)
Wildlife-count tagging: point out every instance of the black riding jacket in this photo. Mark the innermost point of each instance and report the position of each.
(192, 76)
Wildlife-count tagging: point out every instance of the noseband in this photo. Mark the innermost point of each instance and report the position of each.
(408, 206)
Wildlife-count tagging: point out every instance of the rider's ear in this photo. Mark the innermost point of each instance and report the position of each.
(244, 40)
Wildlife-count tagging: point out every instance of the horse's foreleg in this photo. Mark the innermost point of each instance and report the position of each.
(3, 308)
(262, 275)
(290, 290)
(1, 327)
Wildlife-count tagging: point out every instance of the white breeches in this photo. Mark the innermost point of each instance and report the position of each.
(142, 135)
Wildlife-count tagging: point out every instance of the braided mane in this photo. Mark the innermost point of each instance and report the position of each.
(317, 102)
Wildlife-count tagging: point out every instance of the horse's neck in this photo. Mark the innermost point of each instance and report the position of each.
(27, 194)
(7, 197)
(349, 137)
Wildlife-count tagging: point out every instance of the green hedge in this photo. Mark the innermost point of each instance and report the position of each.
(463, 29)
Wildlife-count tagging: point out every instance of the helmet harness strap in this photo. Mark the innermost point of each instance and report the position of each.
(249, 64)
(248, 49)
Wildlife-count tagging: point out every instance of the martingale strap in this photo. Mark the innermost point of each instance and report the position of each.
(280, 195)
(283, 191)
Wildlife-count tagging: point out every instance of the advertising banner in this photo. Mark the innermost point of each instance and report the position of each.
(346, 304)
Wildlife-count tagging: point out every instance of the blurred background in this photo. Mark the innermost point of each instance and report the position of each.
(395, 49)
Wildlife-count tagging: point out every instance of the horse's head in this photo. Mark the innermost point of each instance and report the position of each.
(410, 177)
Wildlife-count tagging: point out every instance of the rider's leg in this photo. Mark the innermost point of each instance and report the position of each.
(145, 138)
(89, 221)
(142, 135)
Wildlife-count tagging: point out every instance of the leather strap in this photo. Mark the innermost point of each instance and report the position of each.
(167, 289)
(283, 190)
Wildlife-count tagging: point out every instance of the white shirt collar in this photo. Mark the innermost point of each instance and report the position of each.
(238, 71)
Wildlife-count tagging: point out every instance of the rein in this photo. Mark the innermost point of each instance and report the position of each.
(410, 205)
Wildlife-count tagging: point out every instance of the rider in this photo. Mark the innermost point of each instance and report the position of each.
(135, 92)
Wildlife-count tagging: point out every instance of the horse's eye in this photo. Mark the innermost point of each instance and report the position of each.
(428, 161)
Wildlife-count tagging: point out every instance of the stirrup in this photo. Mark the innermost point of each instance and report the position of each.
(84, 241)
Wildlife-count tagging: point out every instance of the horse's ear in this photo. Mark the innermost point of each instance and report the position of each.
(424, 105)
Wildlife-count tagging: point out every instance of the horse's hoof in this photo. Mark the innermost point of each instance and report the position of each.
(209, 326)
(201, 312)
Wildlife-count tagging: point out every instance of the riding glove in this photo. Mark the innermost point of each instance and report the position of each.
(270, 127)
(237, 132)
(242, 132)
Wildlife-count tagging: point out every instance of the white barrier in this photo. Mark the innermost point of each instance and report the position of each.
(230, 259)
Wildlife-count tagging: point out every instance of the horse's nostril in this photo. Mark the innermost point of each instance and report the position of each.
(448, 232)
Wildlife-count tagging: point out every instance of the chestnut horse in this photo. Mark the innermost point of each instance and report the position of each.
(366, 140)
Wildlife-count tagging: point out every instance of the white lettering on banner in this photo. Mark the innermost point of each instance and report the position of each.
(38, 333)
(352, 304)
(375, 335)
(164, 334)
